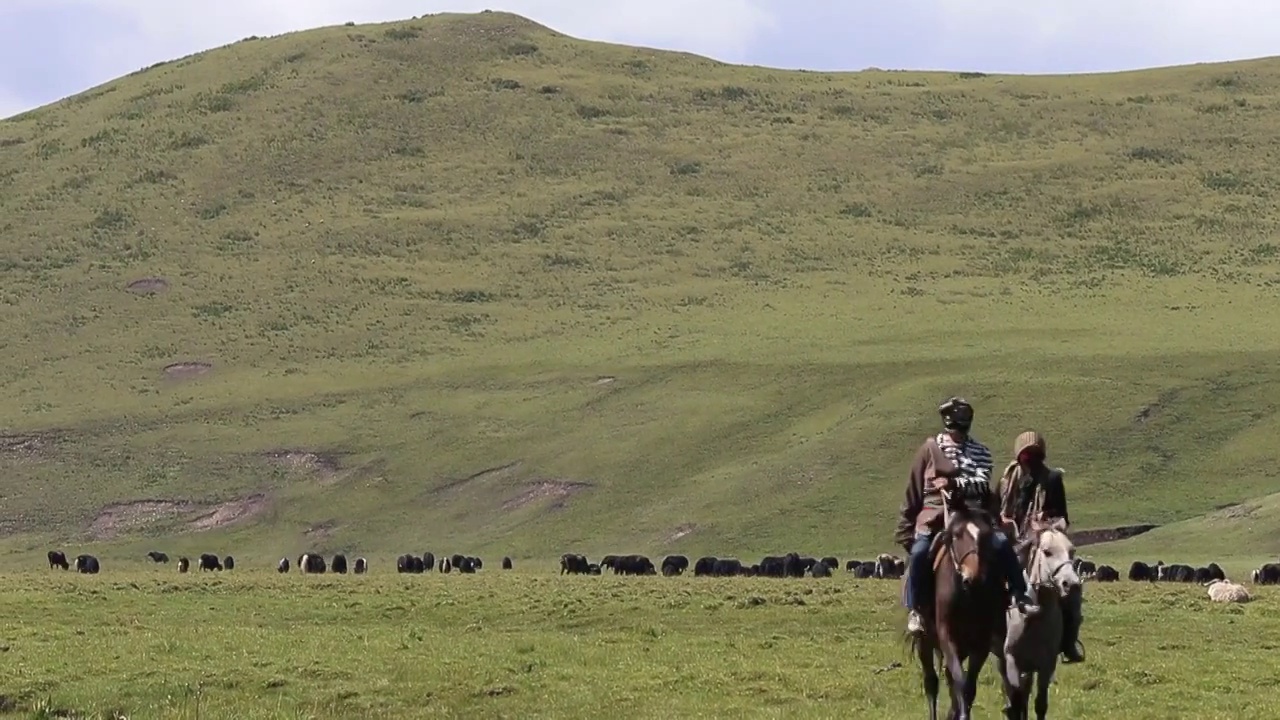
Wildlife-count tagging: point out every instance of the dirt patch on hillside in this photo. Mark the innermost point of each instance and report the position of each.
(230, 512)
(30, 446)
(605, 380)
(326, 465)
(187, 370)
(118, 518)
(321, 531)
(682, 531)
(148, 286)
(1151, 411)
(556, 490)
(123, 517)
(1102, 535)
(1236, 511)
(485, 475)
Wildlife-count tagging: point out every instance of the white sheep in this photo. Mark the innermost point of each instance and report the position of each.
(1225, 591)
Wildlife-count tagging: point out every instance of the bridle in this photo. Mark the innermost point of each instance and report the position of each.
(1043, 580)
(950, 540)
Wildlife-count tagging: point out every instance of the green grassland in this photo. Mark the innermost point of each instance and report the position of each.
(149, 644)
(469, 285)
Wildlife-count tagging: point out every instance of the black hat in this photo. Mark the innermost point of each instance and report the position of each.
(957, 414)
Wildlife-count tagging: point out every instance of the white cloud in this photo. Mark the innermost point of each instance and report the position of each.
(1182, 31)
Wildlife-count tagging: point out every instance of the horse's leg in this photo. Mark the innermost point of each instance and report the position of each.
(1043, 678)
(955, 684)
(1007, 681)
(925, 651)
(976, 662)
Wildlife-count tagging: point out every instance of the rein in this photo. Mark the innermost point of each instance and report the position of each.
(951, 546)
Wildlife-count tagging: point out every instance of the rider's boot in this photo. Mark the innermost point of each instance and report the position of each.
(1072, 648)
(915, 623)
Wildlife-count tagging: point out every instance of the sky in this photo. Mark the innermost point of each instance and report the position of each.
(50, 49)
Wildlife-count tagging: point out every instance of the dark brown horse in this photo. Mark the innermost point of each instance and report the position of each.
(967, 614)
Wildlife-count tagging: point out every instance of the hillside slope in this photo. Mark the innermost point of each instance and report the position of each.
(464, 282)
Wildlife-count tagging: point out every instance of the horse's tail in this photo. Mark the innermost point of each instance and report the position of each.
(911, 646)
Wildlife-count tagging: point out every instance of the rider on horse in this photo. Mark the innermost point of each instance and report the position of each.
(955, 463)
(1029, 490)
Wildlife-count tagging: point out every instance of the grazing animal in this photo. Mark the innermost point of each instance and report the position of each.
(593, 569)
(890, 567)
(468, 565)
(770, 566)
(1215, 572)
(310, 564)
(968, 611)
(821, 570)
(283, 566)
(1141, 572)
(673, 565)
(574, 564)
(57, 559)
(1084, 568)
(87, 564)
(184, 564)
(1032, 644)
(228, 563)
(158, 557)
(831, 562)
(445, 565)
(362, 566)
(209, 561)
(635, 565)
(865, 571)
(726, 567)
(1268, 574)
(1106, 573)
(506, 563)
(608, 561)
(339, 564)
(1225, 591)
(705, 565)
(852, 565)
(428, 562)
(1175, 573)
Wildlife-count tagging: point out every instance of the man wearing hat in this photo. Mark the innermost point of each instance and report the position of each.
(955, 463)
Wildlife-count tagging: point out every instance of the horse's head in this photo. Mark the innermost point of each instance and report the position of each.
(1052, 557)
(968, 539)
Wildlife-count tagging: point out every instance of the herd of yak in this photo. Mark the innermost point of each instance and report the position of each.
(790, 565)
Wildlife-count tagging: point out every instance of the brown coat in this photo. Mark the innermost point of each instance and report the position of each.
(1029, 492)
(921, 510)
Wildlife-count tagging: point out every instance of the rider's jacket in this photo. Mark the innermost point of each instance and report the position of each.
(968, 463)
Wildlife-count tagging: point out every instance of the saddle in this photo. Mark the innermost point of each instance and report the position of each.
(937, 551)
(938, 555)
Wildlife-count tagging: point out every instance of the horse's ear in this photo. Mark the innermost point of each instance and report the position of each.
(1059, 525)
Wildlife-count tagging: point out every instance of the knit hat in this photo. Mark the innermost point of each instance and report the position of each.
(1027, 440)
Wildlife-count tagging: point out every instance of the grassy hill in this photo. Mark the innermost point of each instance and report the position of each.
(467, 283)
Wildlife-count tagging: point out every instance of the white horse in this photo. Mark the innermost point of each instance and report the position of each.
(1032, 644)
